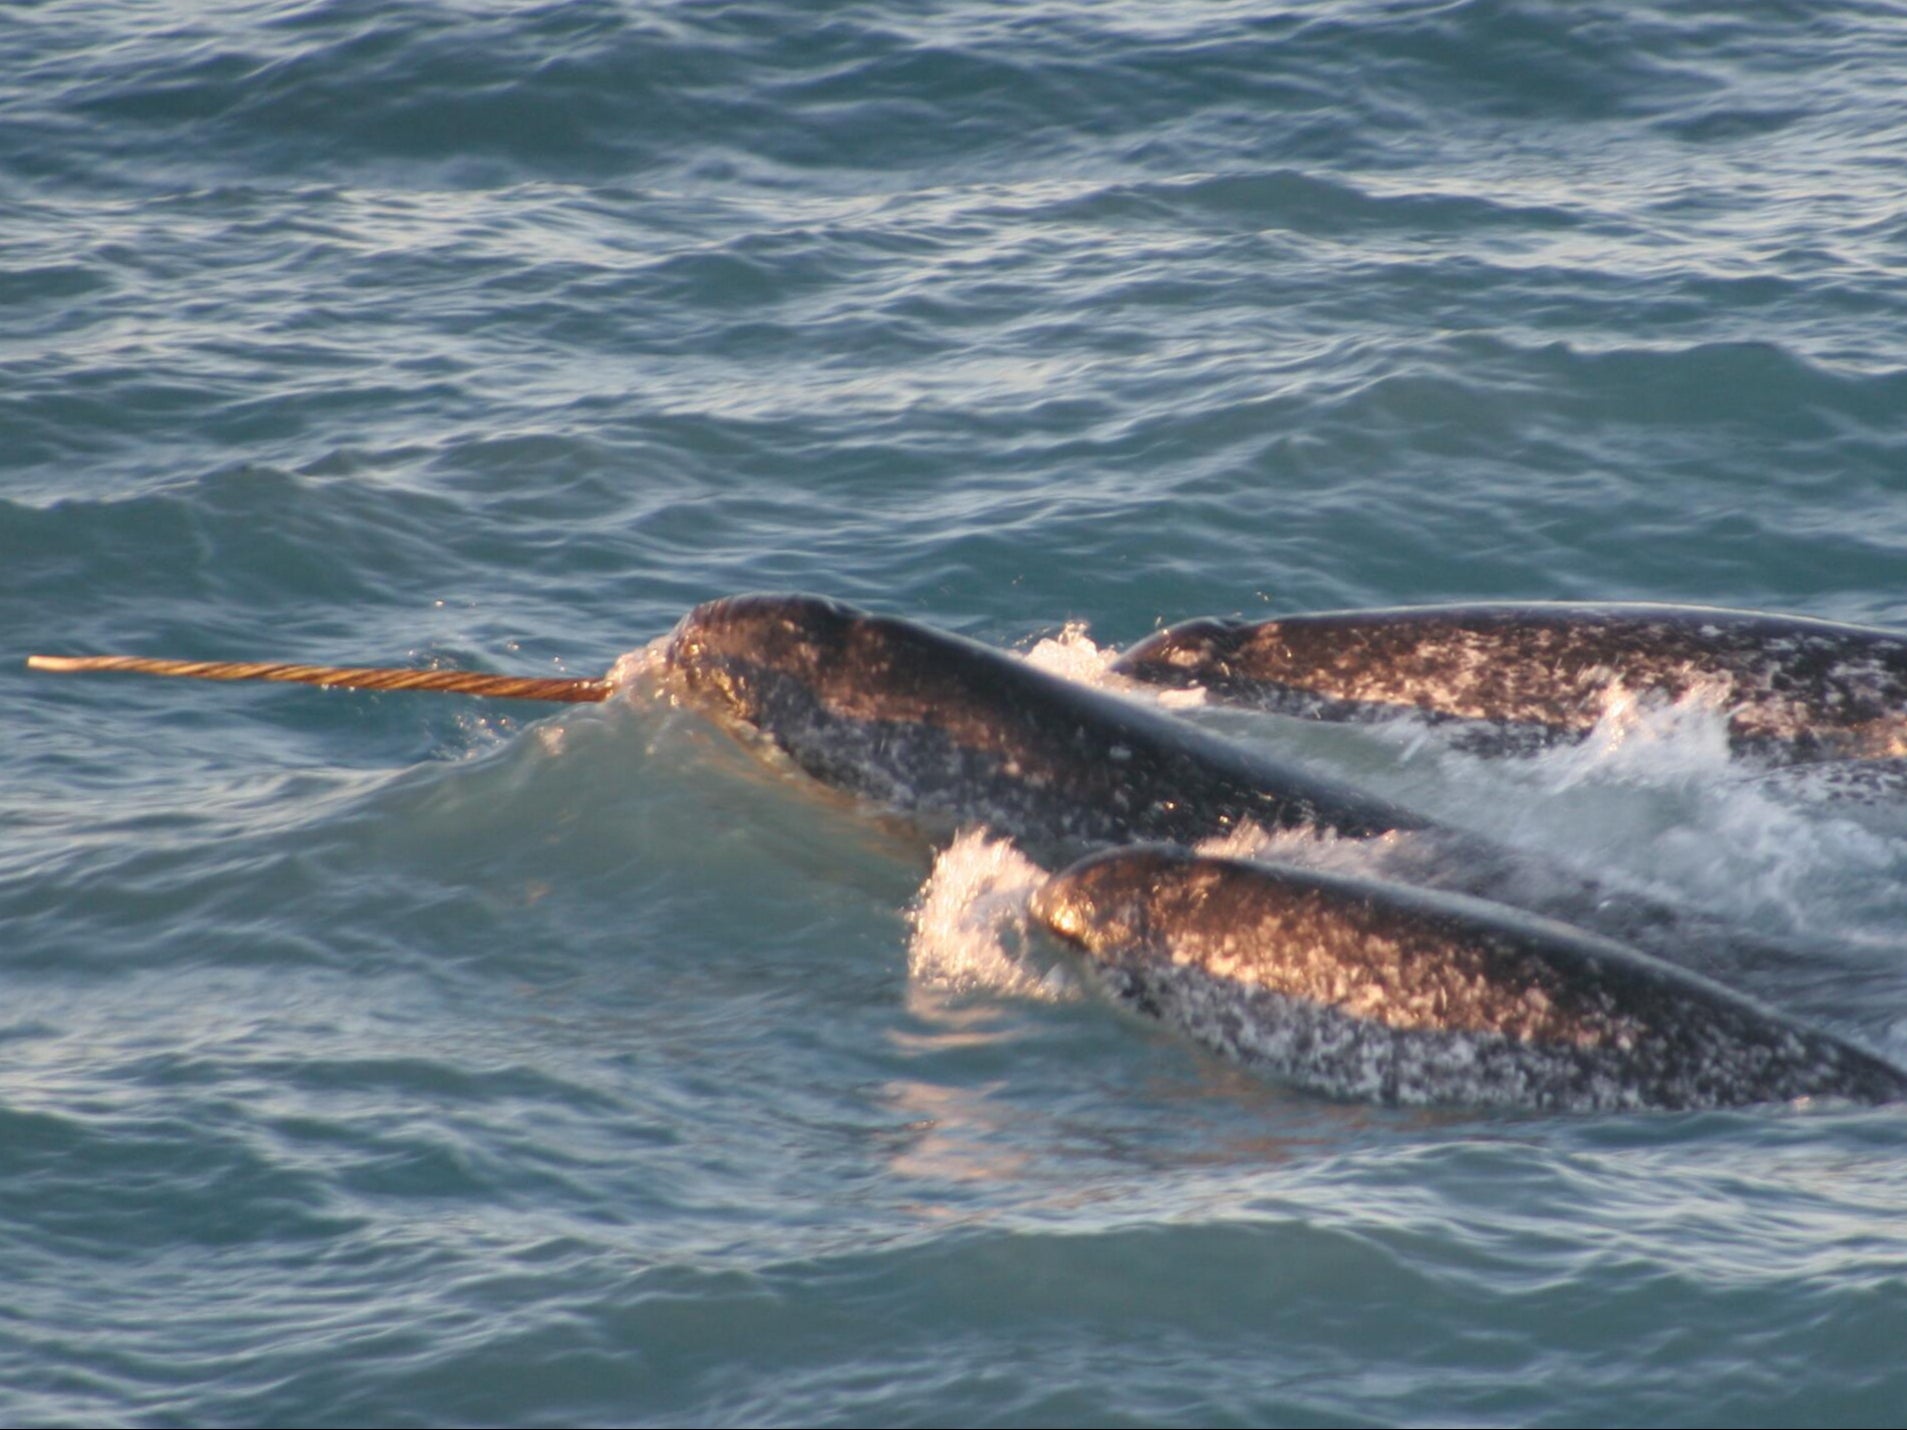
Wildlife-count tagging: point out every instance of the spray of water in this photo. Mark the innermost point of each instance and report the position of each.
(970, 924)
(1074, 655)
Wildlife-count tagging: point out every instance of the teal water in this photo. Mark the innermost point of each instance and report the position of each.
(385, 1058)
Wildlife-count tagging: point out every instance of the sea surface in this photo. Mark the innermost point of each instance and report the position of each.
(383, 1058)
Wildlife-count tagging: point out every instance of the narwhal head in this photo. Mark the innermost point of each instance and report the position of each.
(757, 659)
(1190, 653)
(731, 657)
(1104, 904)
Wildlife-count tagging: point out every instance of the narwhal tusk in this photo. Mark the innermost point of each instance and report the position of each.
(358, 677)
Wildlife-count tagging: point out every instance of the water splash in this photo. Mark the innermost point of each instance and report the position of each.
(1075, 655)
(1653, 800)
(970, 924)
(1642, 739)
(1310, 848)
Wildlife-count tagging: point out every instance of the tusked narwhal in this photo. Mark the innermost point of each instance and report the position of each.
(922, 722)
(950, 732)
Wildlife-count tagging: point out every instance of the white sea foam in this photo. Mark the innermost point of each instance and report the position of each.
(1653, 800)
(1303, 846)
(970, 925)
(1075, 655)
(1642, 739)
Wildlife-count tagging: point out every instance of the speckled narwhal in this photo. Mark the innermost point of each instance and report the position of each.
(1361, 989)
(1521, 676)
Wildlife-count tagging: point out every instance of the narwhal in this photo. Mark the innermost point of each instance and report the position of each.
(1524, 675)
(1363, 989)
(953, 733)
(920, 721)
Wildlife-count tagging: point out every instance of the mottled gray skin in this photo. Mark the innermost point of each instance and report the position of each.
(950, 732)
(944, 728)
(1367, 990)
(1793, 688)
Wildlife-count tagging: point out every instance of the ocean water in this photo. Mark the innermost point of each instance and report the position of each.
(393, 1059)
